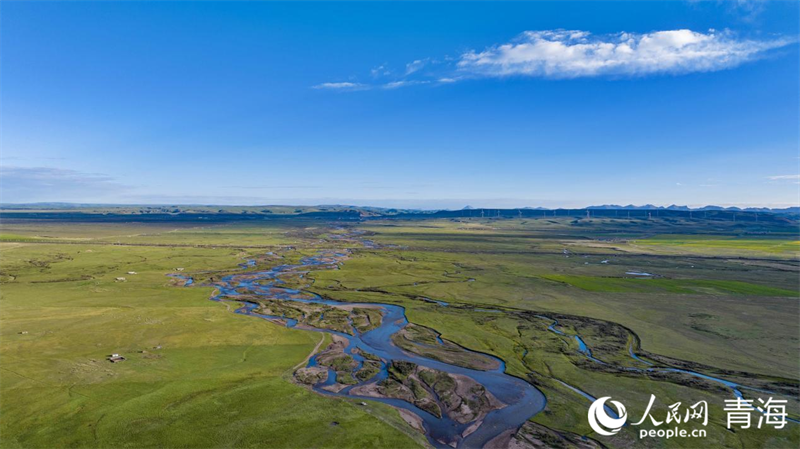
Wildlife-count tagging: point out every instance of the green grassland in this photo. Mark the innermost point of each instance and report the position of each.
(277, 232)
(218, 379)
(727, 244)
(768, 323)
(680, 286)
(725, 310)
(223, 380)
(598, 236)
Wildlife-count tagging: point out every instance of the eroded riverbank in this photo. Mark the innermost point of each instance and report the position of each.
(459, 398)
(456, 406)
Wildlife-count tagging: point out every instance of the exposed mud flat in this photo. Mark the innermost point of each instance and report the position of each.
(455, 404)
(427, 342)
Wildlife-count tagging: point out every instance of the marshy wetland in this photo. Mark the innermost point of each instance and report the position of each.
(451, 331)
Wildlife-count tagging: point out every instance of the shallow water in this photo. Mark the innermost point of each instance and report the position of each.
(522, 399)
(583, 349)
(187, 280)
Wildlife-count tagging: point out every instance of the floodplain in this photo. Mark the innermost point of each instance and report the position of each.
(577, 307)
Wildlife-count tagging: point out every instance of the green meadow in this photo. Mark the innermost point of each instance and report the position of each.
(196, 375)
(724, 244)
(729, 314)
(720, 301)
(680, 286)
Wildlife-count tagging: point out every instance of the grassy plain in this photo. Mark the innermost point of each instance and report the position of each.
(197, 375)
(730, 308)
(723, 244)
(723, 298)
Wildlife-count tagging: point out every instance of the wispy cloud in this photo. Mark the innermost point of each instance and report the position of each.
(346, 87)
(795, 178)
(380, 70)
(341, 86)
(573, 54)
(402, 83)
(272, 187)
(28, 184)
(416, 66)
(744, 10)
(568, 54)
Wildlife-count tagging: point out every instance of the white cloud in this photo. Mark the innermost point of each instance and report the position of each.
(784, 177)
(403, 83)
(359, 86)
(343, 86)
(573, 54)
(566, 54)
(394, 84)
(415, 66)
(381, 70)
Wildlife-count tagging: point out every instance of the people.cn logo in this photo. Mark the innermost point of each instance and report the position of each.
(600, 420)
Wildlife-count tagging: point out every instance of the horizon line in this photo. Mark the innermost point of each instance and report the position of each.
(608, 206)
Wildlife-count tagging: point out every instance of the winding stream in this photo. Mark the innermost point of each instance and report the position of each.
(521, 398)
(583, 349)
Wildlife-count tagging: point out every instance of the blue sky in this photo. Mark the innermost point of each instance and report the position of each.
(406, 105)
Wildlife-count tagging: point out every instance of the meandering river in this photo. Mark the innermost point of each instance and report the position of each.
(521, 398)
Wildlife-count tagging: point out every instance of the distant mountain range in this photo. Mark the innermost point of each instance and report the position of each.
(787, 210)
(363, 210)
